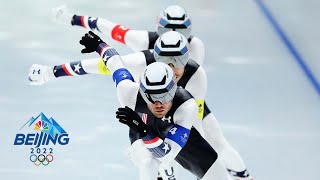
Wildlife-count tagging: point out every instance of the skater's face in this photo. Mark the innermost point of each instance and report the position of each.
(159, 110)
(177, 71)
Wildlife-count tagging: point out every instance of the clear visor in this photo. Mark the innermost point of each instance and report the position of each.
(162, 95)
(179, 59)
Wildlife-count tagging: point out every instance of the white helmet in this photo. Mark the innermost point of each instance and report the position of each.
(172, 47)
(158, 83)
(174, 18)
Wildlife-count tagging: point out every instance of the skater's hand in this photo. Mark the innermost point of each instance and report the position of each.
(91, 42)
(133, 120)
(39, 74)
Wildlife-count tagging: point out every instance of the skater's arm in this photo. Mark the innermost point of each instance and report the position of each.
(166, 150)
(134, 62)
(137, 40)
(121, 75)
(197, 86)
(76, 68)
(40, 74)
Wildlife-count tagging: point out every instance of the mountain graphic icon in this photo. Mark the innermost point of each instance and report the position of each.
(42, 123)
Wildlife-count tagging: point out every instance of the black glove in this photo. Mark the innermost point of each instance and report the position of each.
(91, 42)
(133, 120)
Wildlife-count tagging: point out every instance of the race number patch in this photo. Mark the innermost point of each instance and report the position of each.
(179, 134)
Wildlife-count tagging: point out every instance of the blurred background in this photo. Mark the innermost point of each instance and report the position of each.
(264, 93)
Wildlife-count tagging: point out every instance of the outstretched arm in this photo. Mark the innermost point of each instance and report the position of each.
(76, 68)
(40, 74)
(135, 39)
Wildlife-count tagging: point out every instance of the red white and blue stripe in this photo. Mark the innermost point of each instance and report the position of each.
(85, 21)
(156, 145)
(144, 117)
(69, 69)
(106, 52)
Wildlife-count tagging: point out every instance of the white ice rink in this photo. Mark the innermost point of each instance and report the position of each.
(268, 107)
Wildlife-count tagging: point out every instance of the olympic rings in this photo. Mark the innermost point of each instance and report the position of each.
(45, 164)
(35, 163)
(51, 157)
(41, 159)
(34, 159)
(41, 155)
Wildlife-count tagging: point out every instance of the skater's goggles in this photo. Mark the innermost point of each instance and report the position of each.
(152, 93)
(178, 57)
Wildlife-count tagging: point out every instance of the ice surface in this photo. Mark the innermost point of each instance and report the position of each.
(266, 106)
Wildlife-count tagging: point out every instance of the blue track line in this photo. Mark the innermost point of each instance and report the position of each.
(289, 45)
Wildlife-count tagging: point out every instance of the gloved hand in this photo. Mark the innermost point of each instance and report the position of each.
(91, 42)
(133, 120)
(39, 74)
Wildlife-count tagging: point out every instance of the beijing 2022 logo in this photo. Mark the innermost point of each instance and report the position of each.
(47, 133)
